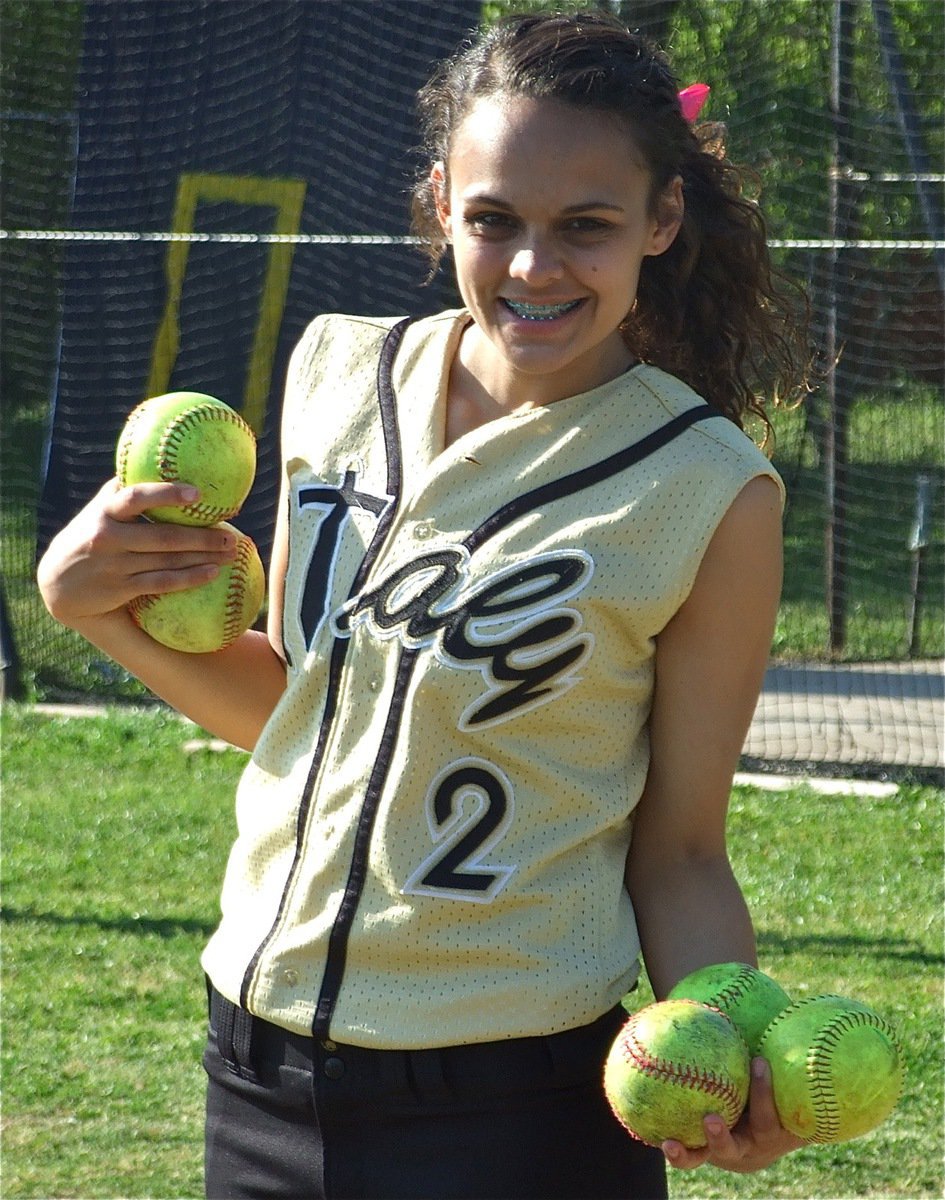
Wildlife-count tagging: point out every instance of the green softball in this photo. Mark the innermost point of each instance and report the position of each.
(749, 997)
(836, 1067)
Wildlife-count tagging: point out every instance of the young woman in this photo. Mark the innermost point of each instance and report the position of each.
(525, 576)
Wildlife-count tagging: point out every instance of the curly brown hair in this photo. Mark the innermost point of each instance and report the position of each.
(711, 309)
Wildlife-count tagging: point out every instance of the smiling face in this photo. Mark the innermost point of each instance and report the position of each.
(549, 212)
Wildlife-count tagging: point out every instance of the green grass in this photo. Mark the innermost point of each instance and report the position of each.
(114, 846)
(893, 439)
(847, 898)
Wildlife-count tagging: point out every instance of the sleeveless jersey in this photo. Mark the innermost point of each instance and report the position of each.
(433, 828)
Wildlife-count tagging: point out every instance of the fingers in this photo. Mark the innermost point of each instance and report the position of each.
(722, 1149)
(755, 1142)
(163, 546)
(719, 1147)
(131, 503)
(107, 555)
(147, 557)
(765, 1126)
(681, 1157)
(142, 550)
(159, 546)
(176, 578)
(762, 1113)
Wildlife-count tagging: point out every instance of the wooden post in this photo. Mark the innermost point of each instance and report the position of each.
(918, 540)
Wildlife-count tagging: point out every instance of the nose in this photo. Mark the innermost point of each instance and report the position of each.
(536, 261)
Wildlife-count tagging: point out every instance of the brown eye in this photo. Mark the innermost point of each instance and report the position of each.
(490, 222)
(587, 225)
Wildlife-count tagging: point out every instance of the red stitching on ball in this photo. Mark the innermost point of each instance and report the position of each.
(685, 1075)
(140, 605)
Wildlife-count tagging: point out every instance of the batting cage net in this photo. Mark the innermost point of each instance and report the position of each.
(186, 183)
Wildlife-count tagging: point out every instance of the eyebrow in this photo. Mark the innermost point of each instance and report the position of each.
(496, 202)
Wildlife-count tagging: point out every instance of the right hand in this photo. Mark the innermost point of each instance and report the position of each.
(107, 555)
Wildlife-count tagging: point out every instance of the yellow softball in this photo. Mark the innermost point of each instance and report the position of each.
(836, 1068)
(187, 437)
(672, 1064)
(211, 615)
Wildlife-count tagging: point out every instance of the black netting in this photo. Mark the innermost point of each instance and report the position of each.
(180, 180)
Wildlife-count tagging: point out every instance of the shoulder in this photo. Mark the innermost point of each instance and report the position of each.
(340, 346)
(334, 367)
(347, 328)
(328, 329)
(716, 439)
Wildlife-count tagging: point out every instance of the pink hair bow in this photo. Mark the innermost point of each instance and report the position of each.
(691, 100)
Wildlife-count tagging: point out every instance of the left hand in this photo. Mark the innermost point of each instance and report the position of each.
(758, 1140)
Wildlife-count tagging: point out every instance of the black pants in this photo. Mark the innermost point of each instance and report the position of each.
(291, 1117)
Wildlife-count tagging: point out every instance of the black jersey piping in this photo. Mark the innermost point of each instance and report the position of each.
(566, 486)
(388, 414)
(587, 477)
(337, 954)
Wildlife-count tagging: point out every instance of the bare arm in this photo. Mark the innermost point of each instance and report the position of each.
(106, 556)
(710, 664)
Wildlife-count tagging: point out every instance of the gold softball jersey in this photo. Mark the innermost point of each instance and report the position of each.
(433, 827)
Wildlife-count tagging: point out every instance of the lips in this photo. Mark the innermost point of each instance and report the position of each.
(540, 312)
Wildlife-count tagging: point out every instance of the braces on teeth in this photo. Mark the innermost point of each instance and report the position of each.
(541, 312)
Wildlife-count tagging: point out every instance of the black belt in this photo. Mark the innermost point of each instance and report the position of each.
(249, 1044)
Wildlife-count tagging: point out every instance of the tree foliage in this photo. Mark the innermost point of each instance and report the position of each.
(769, 68)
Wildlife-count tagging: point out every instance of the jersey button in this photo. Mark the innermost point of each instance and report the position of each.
(334, 1068)
(424, 530)
(290, 977)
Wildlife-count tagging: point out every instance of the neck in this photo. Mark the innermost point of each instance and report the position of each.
(489, 384)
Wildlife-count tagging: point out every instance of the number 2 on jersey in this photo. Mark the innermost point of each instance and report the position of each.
(469, 808)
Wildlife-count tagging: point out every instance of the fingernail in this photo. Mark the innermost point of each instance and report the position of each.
(759, 1068)
(715, 1126)
(671, 1150)
(189, 494)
